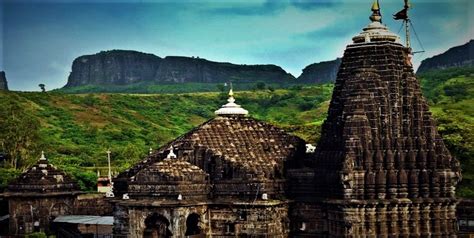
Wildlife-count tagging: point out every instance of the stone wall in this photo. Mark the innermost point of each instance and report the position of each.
(130, 220)
(26, 211)
(248, 220)
(92, 204)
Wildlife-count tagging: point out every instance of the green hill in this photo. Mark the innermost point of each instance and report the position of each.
(450, 94)
(75, 130)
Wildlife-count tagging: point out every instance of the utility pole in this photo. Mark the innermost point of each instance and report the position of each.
(110, 172)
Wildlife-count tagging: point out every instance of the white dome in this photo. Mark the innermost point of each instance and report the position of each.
(231, 108)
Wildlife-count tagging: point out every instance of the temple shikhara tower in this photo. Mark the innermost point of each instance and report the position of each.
(380, 167)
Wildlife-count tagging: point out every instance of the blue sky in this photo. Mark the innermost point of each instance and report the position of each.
(40, 39)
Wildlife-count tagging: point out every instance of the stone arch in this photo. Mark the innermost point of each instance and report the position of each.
(157, 226)
(192, 225)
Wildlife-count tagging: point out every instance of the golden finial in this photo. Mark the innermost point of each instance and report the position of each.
(231, 92)
(375, 6)
(376, 16)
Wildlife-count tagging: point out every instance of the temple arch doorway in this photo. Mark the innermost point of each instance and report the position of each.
(192, 225)
(157, 226)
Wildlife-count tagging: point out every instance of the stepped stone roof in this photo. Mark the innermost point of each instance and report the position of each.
(43, 178)
(231, 154)
(246, 143)
(171, 170)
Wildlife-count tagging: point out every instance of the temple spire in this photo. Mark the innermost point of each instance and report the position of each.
(376, 16)
(231, 108)
(376, 31)
(42, 156)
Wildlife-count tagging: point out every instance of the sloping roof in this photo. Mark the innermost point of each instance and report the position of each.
(43, 178)
(246, 143)
(82, 219)
(171, 170)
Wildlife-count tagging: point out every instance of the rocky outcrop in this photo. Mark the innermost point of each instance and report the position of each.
(3, 81)
(115, 67)
(184, 69)
(123, 67)
(322, 72)
(458, 56)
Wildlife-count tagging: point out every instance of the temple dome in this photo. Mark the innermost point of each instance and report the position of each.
(231, 108)
(376, 31)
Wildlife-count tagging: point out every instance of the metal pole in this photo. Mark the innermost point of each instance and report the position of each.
(110, 172)
(407, 34)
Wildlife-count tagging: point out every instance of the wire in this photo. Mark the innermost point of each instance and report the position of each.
(416, 35)
(401, 26)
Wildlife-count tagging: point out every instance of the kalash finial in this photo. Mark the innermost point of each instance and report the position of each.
(42, 156)
(171, 154)
(231, 108)
(376, 16)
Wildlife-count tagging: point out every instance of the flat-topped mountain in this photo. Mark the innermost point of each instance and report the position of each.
(457, 56)
(125, 67)
(322, 72)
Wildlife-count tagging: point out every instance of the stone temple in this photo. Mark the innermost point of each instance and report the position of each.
(226, 178)
(380, 168)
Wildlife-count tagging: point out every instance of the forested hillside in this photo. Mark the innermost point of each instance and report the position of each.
(76, 130)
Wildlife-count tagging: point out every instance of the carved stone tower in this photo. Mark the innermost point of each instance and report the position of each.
(381, 168)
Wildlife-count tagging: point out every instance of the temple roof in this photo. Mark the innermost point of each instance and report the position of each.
(171, 169)
(43, 178)
(247, 144)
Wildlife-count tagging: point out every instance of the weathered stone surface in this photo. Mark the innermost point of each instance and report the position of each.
(42, 178)
(322, 72)
(3, 81)
(123, 67)
(229, 172)
(381, 167)
(116, 67)
(39, 195)
(231, 149)
(458, 56)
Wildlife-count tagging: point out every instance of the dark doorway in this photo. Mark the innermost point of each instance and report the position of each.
(157, 226)
(192, 225)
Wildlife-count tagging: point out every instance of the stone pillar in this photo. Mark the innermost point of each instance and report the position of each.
(415, 220)
(393, 215)
(382, 219)
(371, 220)
(436, 216)
(425, 221)
(406, 227)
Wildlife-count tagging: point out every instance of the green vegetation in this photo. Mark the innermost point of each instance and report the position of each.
(75, 130)
(450, 94)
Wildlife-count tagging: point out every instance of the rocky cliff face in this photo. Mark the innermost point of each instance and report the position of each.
(121, 67)
(3, 81)
(455, 57)
(322, 72)
(116, 67)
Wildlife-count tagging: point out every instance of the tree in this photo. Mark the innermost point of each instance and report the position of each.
(19, 132)
(260, 86)
(42, 86)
